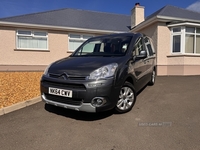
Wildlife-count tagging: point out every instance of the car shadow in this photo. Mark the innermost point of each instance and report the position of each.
(78, 115)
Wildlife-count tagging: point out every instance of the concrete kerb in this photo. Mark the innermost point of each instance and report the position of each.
(19, 105)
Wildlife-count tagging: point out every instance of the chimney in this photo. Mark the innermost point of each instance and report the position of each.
(137, 15)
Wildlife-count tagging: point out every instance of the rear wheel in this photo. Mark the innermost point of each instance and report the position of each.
(153, 78)
(127, 97)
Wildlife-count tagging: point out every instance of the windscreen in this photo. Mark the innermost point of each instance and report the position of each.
(105, 46)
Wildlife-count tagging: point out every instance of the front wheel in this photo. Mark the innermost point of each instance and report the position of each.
(127, 98)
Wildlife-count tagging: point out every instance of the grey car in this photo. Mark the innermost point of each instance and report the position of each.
(104, 73)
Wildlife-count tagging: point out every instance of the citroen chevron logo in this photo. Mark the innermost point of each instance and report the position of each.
(65, 76)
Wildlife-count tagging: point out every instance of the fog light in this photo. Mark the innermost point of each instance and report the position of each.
(95, 85)
(98, 101)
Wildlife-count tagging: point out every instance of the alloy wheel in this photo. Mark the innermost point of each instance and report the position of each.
(153, 76)
(126, 99)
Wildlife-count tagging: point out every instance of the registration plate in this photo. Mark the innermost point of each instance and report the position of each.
(60, 92)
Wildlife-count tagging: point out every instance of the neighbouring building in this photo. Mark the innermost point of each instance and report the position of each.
(176, 36)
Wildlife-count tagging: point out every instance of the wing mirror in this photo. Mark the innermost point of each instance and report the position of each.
(142, 54)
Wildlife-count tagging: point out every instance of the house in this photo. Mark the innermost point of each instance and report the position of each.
(176, 36)
(28, 43)
(31, 42)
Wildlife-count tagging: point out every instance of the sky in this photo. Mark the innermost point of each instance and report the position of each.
(10, 8)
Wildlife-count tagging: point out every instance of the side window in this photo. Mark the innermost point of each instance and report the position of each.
(138, 47)
(148, 45)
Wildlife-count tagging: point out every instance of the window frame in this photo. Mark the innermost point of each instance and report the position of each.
(81, 39)
(33, 36)
(181, 41)
(183, 34)
(150, 51)
(194, 42)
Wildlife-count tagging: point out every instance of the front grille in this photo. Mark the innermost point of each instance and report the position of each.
(65, 85)
(77, 78)
(64, 100)
(66, 77)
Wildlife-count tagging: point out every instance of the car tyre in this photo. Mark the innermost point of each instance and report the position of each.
(153, 77)
(127, 98)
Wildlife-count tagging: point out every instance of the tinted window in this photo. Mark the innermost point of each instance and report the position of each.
(177, 29)
(150, 49)
(176, 43)
(148, 46)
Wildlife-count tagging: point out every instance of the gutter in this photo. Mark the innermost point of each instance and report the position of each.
(184, 24)
(163, 19)
(178, 19)
(60, 28)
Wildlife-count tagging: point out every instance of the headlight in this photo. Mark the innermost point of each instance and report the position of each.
(47, 69)
(104, 72)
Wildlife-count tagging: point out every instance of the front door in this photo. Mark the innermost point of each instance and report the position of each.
(139, 64)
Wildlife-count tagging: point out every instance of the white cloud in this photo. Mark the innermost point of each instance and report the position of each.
(195, 6)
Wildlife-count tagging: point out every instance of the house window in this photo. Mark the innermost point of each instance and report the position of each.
(197, 40)
(36, 40)
(186, 40)
(189, 39)
(198, 44)
(75, 40)
(176, 42)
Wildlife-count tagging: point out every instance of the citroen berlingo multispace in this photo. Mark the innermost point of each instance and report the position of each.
(104, 73)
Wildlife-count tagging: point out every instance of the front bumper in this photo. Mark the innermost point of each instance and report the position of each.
(87, 107)
(83, 93)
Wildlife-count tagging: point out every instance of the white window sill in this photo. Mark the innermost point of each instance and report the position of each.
(183, 55)
(70, 51)
(36, 50)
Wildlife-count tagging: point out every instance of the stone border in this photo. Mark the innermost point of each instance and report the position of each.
(19, 105)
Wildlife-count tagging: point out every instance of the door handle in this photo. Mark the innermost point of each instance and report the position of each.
(145, 61)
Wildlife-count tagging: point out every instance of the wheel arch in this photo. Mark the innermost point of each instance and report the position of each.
(131, 79)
